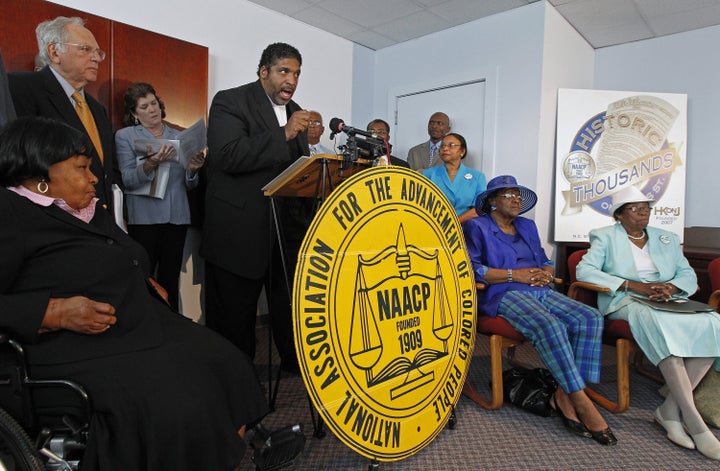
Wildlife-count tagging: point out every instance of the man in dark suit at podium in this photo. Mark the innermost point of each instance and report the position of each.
(255, 131)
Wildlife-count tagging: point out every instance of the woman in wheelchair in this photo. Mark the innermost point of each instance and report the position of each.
(640, 262)
(507, 257)
(166, 393)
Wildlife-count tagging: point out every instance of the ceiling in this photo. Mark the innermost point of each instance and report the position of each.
(381, 23)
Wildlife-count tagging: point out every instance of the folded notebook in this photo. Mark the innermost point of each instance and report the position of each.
(683, 306)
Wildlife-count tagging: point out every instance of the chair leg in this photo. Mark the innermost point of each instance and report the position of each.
(496, 346)
(623, 350)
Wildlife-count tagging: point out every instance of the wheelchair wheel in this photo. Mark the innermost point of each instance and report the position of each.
(16, 449)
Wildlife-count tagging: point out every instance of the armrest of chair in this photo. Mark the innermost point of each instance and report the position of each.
(22, 383)
(576, 286)
(714, 300)
(481, 286)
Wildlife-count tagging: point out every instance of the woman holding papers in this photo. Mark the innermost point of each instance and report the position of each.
(635, 260)
(156, 184)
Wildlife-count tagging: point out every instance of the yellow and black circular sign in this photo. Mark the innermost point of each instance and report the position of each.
(384, 312)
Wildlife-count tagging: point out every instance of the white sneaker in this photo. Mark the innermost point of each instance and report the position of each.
(675, 431)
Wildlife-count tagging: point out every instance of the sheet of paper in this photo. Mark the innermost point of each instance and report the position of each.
(193, 140)
(190, 142)
(118, 199)
(157, 186)
(145, 147)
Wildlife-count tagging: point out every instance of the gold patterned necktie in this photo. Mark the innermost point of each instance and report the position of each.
(81, 107)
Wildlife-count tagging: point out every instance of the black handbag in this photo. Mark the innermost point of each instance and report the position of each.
(529, 389)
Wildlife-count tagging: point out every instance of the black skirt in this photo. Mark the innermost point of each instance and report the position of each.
(175, 407)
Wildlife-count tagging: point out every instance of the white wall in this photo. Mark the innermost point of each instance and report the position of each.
(568, 62)
(511, 44)
(680, 63)
(535, 51)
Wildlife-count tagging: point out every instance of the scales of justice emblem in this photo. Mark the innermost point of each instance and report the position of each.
(428, 291)
(384, 312)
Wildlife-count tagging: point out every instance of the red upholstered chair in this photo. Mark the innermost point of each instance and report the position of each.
(714, 274)
(502, 335)
(616, 333)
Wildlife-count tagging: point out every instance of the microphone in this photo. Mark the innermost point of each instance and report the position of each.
(337, 125)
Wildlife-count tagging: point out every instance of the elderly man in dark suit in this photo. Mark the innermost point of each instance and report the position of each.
(254, 132)
(57, 91)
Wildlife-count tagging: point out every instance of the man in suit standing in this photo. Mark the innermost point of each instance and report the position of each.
(57, 91)
(314, 132)
(427, 154)
(254, 132)
(382, 129)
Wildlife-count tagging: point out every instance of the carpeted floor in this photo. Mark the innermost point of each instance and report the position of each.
(506, 439)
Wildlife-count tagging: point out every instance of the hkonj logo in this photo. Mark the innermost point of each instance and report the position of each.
(384, 312)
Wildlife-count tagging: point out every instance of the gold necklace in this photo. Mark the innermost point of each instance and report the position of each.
(162, 131)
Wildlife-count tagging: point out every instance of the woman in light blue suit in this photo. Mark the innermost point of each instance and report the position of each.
(633, 259)
(158, 224)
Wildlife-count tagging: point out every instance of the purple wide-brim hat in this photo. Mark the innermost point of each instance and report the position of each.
(529, 198)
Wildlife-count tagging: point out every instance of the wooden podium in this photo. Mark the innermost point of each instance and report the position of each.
(308, 177)
(313, 177)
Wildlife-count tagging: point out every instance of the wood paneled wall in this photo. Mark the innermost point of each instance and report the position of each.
(177, 69)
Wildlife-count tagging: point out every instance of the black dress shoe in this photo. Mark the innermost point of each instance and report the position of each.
(604, 437)
(578, 428)
(280, 449)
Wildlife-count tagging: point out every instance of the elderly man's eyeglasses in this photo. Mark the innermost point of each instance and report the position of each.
(638, 209)
(449, 145)
(86, 49)
(511, 196)
(315, 124)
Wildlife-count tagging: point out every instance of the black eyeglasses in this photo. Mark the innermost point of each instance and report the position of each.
(86, 49)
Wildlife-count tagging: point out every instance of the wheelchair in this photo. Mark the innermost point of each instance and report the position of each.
(55, 412)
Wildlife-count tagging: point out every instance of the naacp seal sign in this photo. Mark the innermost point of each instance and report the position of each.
(578, 166)
(384, 312)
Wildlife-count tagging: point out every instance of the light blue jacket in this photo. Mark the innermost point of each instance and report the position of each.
(463, 189)
(609, 262)
(174, 207)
